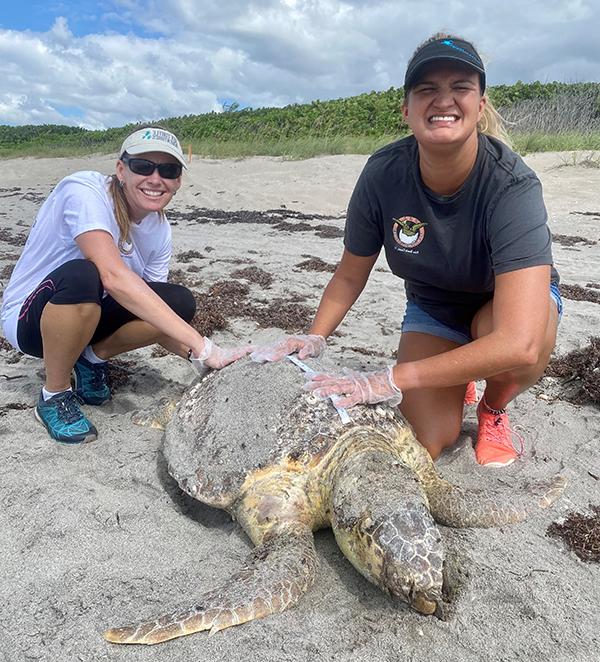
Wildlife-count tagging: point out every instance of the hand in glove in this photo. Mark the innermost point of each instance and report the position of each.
(217, 357)
(305, 345)
(356, 387)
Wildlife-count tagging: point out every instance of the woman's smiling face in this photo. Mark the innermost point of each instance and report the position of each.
(444, 106)
(147, 193)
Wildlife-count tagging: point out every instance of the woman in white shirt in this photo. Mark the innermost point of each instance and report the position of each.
(91, 282)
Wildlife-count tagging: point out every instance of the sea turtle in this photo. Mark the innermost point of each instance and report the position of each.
(249, 440)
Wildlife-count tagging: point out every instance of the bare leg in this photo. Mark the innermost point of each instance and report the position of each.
(133, 335)
(435, 414)
(503, 388)
(66, 330)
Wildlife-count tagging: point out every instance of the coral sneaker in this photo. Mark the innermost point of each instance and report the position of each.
(471, 395)
(495, 441)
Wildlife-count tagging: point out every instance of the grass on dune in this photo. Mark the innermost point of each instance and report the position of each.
(540, 117)
(308, 147)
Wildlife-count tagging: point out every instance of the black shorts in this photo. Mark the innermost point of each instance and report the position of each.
(78, 281)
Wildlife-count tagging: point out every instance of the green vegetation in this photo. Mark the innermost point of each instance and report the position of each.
(541, 117)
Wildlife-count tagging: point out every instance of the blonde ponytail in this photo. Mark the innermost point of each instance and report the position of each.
(116, 192)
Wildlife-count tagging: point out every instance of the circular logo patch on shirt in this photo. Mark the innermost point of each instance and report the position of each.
(125, 247)
(408, 231)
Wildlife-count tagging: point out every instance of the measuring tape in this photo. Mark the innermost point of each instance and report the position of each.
(343, 414)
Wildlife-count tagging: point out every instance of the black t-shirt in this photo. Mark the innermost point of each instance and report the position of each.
(449, 249)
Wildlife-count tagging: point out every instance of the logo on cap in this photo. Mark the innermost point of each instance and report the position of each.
(163, 136)
(451, 44)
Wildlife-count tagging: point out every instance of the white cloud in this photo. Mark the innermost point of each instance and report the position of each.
(273, 52)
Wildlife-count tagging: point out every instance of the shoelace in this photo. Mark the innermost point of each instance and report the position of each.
(68, 408)
(503, 434)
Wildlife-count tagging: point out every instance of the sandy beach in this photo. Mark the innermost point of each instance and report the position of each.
(99, 535)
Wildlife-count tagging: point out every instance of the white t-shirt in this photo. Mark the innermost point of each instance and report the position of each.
(79, 203)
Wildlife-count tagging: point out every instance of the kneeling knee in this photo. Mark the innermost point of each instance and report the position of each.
(179, 298)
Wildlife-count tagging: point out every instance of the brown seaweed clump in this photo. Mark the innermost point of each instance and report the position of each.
(254, 275)
(229, 299)
(578, 293)
(316, 264)
(580, 533)
(13, 239)
(119, 373)
(571, 240)
(581, 367)
(186, 256)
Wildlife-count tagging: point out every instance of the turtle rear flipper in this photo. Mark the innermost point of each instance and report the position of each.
(453, 506)
(274, 577)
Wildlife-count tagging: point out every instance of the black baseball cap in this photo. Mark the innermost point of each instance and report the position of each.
(453, 50)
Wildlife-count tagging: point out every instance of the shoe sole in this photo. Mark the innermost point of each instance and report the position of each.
(497, 464)
(86, 440)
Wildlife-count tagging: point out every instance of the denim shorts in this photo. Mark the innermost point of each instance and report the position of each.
(417, 320)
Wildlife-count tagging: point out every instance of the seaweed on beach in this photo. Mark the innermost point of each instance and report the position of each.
(581, 534)
(586, 213)
(316, 264)
(14, 406)
(571, 240)
(229, 298)
(254, 275)
(369, 352)
(11, 238)
(284, 314)
(34, 196)
(328, 231)
(180, 277)
(6, 271)
(186, 256)
(119, 373)
(280, 219)
(12, 355)
(579, 372)
(578, 293)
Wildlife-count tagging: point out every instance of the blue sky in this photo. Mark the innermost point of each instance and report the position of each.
(106, 63)
(39, 16)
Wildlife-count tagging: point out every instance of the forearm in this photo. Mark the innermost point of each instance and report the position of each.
(338, 297)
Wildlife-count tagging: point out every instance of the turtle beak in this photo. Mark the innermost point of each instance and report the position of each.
(428, 604)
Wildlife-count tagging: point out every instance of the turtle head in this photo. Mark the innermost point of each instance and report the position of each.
(401, 553)
(418, 583)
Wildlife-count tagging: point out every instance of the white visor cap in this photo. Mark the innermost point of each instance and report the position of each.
(153, 140)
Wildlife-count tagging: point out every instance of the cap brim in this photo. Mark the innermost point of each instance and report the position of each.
(410, 79)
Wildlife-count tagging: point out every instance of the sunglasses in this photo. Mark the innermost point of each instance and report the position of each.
(146, 168)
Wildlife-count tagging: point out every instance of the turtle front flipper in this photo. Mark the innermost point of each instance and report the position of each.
(274, 577)
(453, 506)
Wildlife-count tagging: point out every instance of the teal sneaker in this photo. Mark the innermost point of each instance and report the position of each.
(64, 420)
(91, 381)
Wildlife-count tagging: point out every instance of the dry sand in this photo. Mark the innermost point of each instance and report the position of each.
(99, 535)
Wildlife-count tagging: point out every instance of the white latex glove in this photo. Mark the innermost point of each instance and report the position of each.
(305, 345)
(356, 387)
(213, 356)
